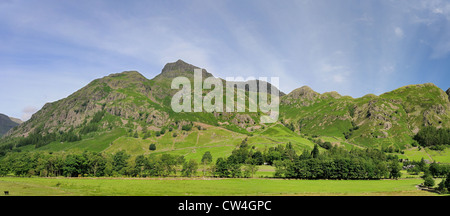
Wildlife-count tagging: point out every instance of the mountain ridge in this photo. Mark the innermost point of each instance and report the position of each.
(6, 123)
(137, 104)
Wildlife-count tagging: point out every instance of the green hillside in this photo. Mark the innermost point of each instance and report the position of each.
(390, 119)
(126, 111)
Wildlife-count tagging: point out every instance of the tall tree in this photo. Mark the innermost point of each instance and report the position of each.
(189, 168)
(206, 159)
(395, 169)
(120, 161)
(221, 168)
(315, 151)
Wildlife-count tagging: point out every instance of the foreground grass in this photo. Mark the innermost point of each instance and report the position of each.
(206, 187)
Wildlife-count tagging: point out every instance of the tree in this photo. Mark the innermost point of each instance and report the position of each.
(250, 168)
(428, 181)
(273, 156)
(444, 186)
(315, 151)
(258, 157)
(152, 147)
(168, 163)
(305, 155)
(147, 134)
(179, 160)
(327, 145)
(234, 165)
(120, 161)
(95, 163)
(187, 127)
(189, 168)
(431, 136)
(140, 163)
(73, 165)
(235, 170)
(206, 159)
(395, 169)
(221, 168)
(422, 165)
(97, 116)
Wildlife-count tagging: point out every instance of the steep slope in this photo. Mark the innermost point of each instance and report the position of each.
(448, 93)
(128, 100)
(6, 123)
(128, 111)
(389, 119)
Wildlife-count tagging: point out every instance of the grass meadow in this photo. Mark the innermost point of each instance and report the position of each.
(220, 142)
(207, 187)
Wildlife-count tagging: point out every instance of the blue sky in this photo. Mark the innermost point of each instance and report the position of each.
(51, 48)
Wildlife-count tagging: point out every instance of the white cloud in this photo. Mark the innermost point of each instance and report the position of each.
(343, 51)
(388, 69)
(27, 112)
(339, 78)
(334, 75)
(438, 11)
(399, 32)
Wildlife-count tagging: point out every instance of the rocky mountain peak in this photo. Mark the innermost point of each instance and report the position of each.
(178, 65)
(304, 92)
(180, 68)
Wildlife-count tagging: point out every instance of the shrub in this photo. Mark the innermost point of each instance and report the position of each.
(152, 147)
(429, 181)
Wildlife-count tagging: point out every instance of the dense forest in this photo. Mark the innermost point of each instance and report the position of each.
(434, 138)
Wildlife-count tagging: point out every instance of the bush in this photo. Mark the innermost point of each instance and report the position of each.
(444, 186)
(438, 148)
(97, 117)
(146, 135)
(429, 181)
(152, 147)
(89, 128)
(187, 127)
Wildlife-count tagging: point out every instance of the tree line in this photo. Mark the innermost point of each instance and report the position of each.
(334, 163)
(339, 163)
(92, 164)
(432, 137)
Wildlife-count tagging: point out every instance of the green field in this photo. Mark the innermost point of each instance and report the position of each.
(207, 187)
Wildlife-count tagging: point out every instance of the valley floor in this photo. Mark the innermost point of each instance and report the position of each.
(36, 186)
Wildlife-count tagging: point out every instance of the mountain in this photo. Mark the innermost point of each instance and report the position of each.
(448, 93)
(128, 111)
(127, 97)
(389, 119)
(6, 123)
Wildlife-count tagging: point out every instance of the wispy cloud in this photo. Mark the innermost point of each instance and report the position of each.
(52, 48)
(28, 112)
(398, 32)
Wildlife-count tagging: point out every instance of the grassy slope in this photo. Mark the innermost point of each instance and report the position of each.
(326, 117)
(219, 141)
(385, 120)
(192, 144)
